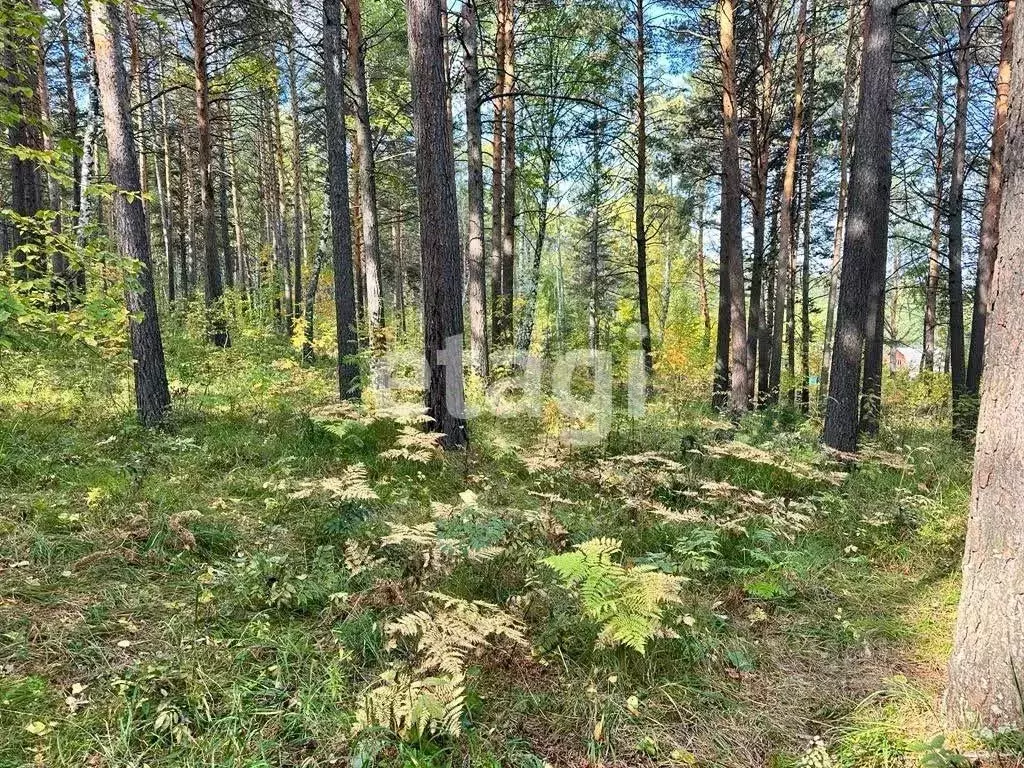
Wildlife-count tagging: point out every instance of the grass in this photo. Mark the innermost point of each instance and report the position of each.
(172, 598)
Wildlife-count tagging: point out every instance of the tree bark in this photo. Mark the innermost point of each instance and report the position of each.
(990, 220)
(783, 287)
(640, 222)
(439, 241)
(22, 67)
(367, 178)
(957, 365)
(805, 272)
(931, 288)
(988, 648)
(341, 223)
(867, 225)
(508, 223)
(152, 396)
(477, 284)
(730, 250)
(499, 311)
(849, 82)
(298, 224)
(212, 286)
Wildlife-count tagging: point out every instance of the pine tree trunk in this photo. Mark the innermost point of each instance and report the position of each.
(152, 397)
(341, 223)
(783, 286)
(956, 240)
(212, 287)
(988, 648)
(730, 374)
(477, 284)
(499, 317)
(805, 272)
(439, 243)
(22, 67)
(849, 82)
(931, 287)
(990, 220)
(867, 225)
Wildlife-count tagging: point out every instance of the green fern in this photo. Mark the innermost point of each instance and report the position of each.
(628, 602)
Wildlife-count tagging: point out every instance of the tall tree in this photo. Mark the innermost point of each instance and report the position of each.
(990, 217)
(337, 195)
(477, 283)
(984, 671)
(731, 385)
(849, 81)
(152, 396)
(957, 366)
(439, 230)
(367, 176)
(787, 238)
(212, 286)
(867, 225)
(640, 219)
(931, 290)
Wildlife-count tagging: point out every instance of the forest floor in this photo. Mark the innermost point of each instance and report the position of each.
(222, 591)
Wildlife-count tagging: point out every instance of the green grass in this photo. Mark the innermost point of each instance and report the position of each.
(167, 598)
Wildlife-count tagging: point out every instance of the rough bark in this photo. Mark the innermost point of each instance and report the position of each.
(805, 269)
(849, 82)
(783, 287)
(22, 63)
(988, 648)
(931, 287)
(499, 311)
(439, 243)
(731, 254)
(990, 219)
(337, 195)
(867, 224)
(212, 286)
(957, 364)
(477, 283)
(152, 397)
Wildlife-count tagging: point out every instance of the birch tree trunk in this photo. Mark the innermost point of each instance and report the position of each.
(367, 178)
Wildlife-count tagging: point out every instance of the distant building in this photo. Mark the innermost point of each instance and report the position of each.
(908, 359)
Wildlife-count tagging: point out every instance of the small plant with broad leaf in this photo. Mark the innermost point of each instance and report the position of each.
(628, 601)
